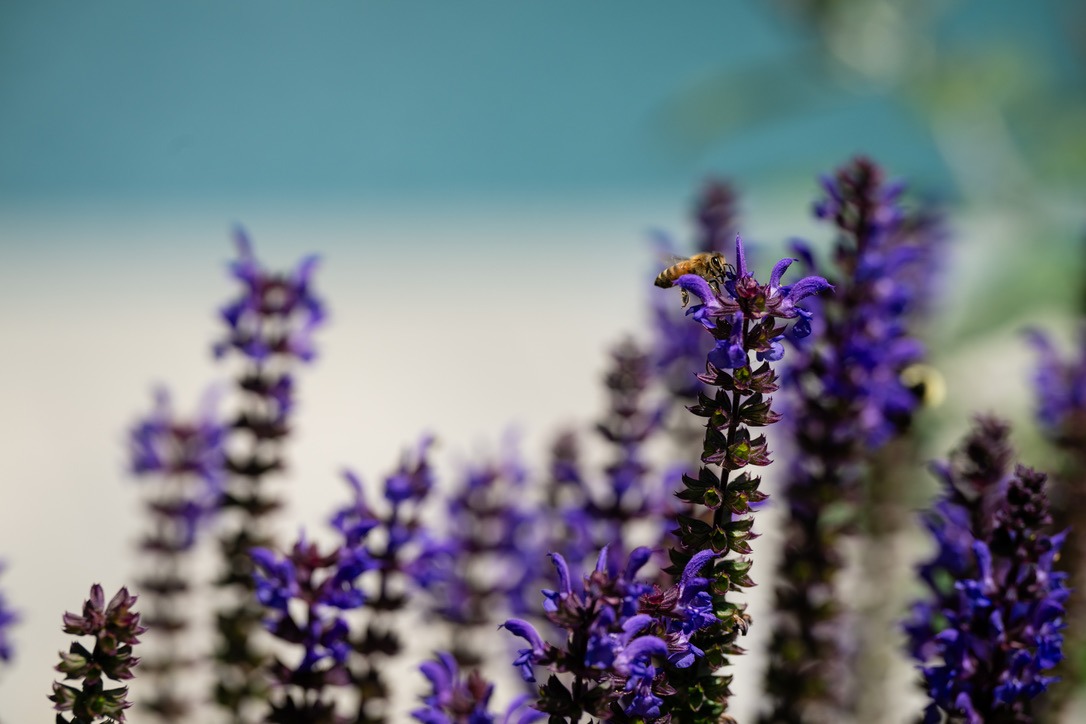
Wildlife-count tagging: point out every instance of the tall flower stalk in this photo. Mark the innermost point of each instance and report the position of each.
(480, 561)
(393, 537)
(183, 463)
(270, 329)
(633, 651)
(745, 318)
(116, 629)
(622, 640)
(847, 399)
(989, 632)
(320, 588)
(626, 505)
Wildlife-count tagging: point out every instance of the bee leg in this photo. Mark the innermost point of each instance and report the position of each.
(715, 286)
(684, 296)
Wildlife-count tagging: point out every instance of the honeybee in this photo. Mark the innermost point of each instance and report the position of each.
(709, 265)
(925, 382)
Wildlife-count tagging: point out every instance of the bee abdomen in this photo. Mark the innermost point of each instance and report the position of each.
(663, 280)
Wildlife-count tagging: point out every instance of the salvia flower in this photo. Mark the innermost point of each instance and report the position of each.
(391, 535)
(322, 586)
(187, 460)
(276, 313)
(183, 465)
(455, 699)
(481, 557)
(1060, 387)
(990, 630)
(626, 505)
(883, 268)
(163, 444)
(846, 399)
(623, 640)
(116, 629)
(270, 328)
(8, 618)
(747, 319)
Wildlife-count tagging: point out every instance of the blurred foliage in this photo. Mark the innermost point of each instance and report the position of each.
(1004, 100)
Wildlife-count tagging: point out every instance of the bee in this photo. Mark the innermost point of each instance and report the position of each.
(709, 265)
(925, 382)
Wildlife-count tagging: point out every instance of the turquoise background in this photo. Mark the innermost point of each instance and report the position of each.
(378, 100)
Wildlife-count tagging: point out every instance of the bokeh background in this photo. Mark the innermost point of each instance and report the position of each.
(482, 180)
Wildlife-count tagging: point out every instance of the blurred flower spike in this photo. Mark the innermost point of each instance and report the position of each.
(457, 700)
(990, 628)
(189, 453)
(276, 314)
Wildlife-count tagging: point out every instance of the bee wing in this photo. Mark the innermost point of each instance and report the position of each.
(669, 260)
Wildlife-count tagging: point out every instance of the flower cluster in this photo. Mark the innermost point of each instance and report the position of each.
(479, 562)
(186, 461)
(883, 260)
(270, 328)
(991, 627)
(1060, 387)
(590, 514)
(326, 585)
(8, 618)
(116, 629)
(392, 536)
(744, 317)
(846, 399)
(276, 314)
(456, 700)
(622, 639)
(305, 595)
(163, 445)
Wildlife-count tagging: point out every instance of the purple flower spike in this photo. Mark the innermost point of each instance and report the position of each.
(182, 465)
(304, 594)
(270, 327)
(848, 398)
(276, 314)
(455, 699)
(743, 317)
(1002, 621)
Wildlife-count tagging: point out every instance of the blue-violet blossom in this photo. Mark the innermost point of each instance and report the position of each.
(990, 629)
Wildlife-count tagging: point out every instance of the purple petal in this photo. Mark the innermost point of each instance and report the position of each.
(562, 567)
(740, 258)
(523, 629)
(698, 287)
(694, 566)
(778, 272)
(807, 286)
